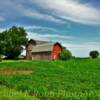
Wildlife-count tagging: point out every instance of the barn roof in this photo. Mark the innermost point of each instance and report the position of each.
(36, 42)
(43, 47)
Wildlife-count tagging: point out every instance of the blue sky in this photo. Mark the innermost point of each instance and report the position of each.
(74, 23)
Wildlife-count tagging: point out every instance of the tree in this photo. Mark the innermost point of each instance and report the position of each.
(65, 54)
(0, 58)
(11, 42)
(94, 54)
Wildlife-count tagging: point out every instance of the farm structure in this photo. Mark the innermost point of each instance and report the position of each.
(41, 50)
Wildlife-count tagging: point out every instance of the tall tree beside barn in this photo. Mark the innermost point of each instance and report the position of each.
(12, 42)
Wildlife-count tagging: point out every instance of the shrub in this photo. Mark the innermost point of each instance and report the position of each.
(65, 54)
(94, 54)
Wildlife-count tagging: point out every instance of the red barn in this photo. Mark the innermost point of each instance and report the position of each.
(57, 48)
(43, 50)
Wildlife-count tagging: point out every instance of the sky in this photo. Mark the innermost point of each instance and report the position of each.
(73, 23)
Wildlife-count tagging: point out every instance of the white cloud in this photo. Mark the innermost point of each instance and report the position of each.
(19, 8)
(71, 10)
(57, 10)
(36, 36)
(40, 27)
(56, 36)
(48, 37)
(36, 14)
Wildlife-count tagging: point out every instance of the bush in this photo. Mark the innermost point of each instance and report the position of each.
(94, 54)
(65, 54)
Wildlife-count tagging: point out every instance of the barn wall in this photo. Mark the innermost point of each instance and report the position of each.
(56, 50)
(29, 51)
(48, 55)
(41, 56)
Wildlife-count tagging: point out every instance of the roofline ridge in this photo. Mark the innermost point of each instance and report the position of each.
(45, 44)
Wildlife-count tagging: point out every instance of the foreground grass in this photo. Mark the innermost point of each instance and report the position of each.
(11, 94)
(56, 80)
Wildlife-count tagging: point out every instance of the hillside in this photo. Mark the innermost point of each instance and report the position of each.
(53, 80)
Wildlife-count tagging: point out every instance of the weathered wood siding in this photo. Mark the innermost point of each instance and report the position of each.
(29, 51)
(41, 56)
(43, 52)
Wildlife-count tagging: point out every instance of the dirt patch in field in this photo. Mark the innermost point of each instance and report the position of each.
(9, 71)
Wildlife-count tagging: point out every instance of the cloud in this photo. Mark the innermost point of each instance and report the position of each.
(23, 10)
(71, 10)
(40, 27)
(49, 37)
(58, 11)
(36, 36)
(64, 37)
(37, 15)
(45, 29)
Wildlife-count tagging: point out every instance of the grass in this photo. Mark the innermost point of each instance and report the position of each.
(11, 94)
(55, 80)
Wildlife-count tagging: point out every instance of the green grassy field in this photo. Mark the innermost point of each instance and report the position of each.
(77, 79)
(10, 94)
